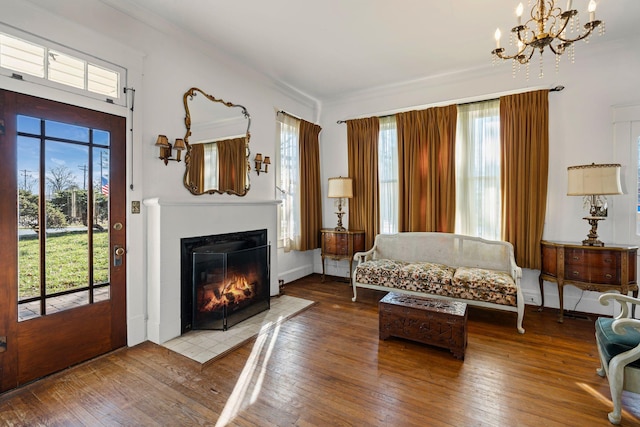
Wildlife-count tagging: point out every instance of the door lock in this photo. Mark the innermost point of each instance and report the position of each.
(118, 252)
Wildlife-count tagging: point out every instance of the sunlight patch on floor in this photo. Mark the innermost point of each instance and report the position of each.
(205, 346)
(249, 382)
(607, 401)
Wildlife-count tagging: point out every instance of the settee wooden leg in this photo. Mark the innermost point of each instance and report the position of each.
(520, 317)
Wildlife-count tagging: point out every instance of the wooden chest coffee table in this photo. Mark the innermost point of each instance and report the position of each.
(426, 320)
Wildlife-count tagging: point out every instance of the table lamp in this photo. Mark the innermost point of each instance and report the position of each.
(339, 188)
(593, 181)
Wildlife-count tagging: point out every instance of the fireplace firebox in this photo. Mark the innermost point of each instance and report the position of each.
(225, 279)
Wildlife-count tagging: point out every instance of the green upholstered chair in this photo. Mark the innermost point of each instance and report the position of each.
(618, 341)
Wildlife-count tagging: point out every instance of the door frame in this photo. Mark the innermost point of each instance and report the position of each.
(28, 353)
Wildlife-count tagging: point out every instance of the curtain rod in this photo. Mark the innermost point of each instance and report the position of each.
(288, 114)
(295, 117)
(558, 88)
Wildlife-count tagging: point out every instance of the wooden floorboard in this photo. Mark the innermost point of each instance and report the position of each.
(326, 366)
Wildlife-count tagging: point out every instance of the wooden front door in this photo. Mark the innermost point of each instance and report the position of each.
(62, 236)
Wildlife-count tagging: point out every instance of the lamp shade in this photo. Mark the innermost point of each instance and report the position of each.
(587, 180)
(340, 187)
(179, 144)
(162, 141)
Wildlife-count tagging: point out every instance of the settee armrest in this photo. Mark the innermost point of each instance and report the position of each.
(625, 302)
(361, 257)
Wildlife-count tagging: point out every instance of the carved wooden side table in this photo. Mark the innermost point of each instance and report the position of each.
(341, 245)
(590, 268)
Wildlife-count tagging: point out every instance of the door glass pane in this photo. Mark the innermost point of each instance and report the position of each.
(66, 243)
(63, 215)
(29, 125)
(28, 200)
(101, 137)
(66, 131)
(101, 219)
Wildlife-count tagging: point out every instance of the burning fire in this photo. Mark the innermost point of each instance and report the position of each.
(213, 296)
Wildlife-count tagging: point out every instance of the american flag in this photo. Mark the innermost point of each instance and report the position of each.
(105, 186)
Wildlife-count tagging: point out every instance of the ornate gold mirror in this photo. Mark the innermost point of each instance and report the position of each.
(217, 141)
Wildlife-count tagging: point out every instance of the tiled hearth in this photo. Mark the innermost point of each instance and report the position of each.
(203, 346)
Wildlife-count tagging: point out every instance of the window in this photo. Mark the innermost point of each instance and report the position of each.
(388, 175)
(478, 207)
(638, 190)
(288, 182)
(20, 57)
(478, 198)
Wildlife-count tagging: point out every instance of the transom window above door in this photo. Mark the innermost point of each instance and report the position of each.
(55, 66)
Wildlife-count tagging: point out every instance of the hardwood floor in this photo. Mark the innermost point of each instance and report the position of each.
(326, 366)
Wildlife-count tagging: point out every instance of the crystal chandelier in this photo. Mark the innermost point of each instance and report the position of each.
(548, 26)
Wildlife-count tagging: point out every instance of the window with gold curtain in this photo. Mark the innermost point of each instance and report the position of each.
(288, 181)
(524, 134)
(298, 182)
(310, 188)
(426, 145)
(362, 152)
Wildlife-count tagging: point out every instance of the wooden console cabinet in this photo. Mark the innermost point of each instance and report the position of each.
(590, 268)
(340, 245)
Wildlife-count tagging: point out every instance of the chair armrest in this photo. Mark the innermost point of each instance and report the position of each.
(618, 325)
(624, 301)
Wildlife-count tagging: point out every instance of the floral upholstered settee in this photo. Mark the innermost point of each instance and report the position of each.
(443, 265)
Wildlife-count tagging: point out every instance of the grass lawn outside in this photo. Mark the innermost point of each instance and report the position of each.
(67, 262)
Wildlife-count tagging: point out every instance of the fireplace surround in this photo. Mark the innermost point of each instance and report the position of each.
(167, 222)
(225, 279)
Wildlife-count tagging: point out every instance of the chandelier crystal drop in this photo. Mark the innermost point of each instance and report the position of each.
(548, 27)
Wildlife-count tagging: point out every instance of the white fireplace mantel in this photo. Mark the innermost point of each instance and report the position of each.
(168, 221)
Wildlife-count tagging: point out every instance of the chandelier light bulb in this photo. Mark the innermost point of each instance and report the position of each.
(497, 36)
(519, 11)
(592, 10)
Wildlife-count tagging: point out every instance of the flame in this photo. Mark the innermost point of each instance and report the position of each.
(234, 291)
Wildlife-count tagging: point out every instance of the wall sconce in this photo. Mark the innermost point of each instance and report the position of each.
(166, 148)
(259, 162)
(592, 182)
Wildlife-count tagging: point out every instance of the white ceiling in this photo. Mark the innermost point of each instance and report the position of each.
(329, 48)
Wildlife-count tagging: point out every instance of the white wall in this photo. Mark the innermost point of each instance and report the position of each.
(580, 131)
(161, 65)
